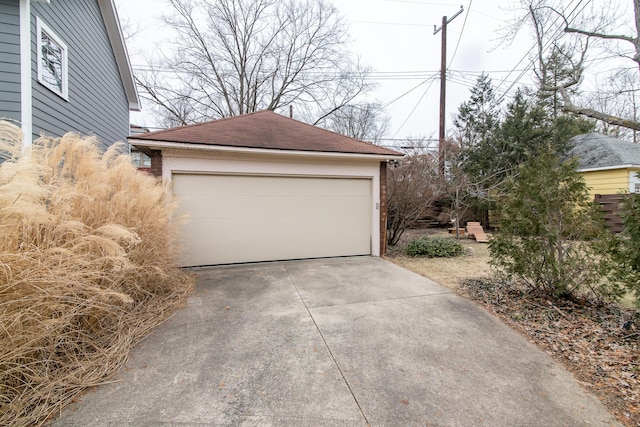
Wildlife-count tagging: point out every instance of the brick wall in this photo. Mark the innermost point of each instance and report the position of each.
(156, 163)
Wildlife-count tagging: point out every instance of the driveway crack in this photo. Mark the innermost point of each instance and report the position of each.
(326, 344)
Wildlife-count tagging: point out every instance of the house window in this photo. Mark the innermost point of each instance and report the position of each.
(141, 160)
(52, 61)
(634, 181)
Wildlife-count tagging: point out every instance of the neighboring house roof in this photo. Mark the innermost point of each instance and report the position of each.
(112, 24)
(137, 129)
(263, 130)
(597, 151)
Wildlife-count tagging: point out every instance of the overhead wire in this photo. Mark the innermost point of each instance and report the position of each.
(464, 24)
(403, 24)
(414, 108)
(420, 2)
(544, 48)
(458, 77)
(385, 105)
(373, 75)
(524, 57)
(433, 80)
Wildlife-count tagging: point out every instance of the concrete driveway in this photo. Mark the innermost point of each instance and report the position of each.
(334, 342)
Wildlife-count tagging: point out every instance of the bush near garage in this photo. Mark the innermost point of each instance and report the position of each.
(88, 260)
(552, 236)
(433, 247)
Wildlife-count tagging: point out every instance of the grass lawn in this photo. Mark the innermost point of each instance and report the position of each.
(449, 272)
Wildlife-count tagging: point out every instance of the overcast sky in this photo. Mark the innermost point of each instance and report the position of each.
(395, 38)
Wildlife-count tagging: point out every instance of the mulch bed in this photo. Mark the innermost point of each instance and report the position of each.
(598, 342)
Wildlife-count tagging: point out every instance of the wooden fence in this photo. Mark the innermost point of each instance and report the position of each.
(610, 205)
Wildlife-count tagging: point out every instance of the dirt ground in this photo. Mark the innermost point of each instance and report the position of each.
(598, 342)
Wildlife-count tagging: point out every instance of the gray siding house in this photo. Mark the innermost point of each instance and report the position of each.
(64, 67)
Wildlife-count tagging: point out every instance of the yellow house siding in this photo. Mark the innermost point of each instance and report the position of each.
(607, 181)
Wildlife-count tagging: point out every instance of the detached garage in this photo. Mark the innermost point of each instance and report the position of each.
(264, 187)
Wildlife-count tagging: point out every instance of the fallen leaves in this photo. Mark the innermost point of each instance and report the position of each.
(598, 342)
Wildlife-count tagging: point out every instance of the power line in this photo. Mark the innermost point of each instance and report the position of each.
(461, 33)
(403, 24)
(526, 69)
(544, 48)
(419, 2)
(414, 108)
(375, 75)
(407, 92)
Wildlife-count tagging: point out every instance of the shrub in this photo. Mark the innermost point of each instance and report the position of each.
(87, 267)
(412, 186)
(433, 247)
(625, 248)
(550, 232)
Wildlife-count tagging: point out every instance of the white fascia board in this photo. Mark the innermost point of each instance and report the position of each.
(112, 24)
(608, 168)
(244, 150)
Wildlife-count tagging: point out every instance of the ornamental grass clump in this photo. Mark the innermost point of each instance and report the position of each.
(88, 266)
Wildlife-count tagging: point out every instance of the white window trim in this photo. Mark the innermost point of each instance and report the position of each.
(634, 182)
(40, 28)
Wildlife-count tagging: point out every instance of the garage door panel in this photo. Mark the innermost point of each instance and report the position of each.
(225, 252)
(272, 206)
(256, 218)
(238, 185)
(277, 229)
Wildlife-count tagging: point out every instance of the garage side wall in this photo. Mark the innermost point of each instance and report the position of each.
(383, 208)
(185, 161)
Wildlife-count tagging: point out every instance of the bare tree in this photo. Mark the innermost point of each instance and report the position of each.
(620, 95)
(577, 36)
(366, 122)
(412, 187)
(232, 57)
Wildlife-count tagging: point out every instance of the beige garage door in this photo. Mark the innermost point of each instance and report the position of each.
(235, 218)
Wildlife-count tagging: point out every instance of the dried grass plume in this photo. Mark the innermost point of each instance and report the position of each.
(88, 260)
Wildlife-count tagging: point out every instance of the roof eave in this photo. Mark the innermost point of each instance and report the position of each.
(604, 168)
(247, 150)
(112, 24)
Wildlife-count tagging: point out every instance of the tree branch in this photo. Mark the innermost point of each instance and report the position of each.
(608, 118)
(601, 35)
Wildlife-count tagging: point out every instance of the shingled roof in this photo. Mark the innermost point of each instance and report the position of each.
(264, 130)
(595, 151)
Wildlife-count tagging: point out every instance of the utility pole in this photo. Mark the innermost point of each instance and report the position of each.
(443, 87)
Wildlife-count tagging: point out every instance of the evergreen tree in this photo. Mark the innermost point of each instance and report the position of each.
(476, 125)
(549, 229)
(479, 117)
(557, 70)
(528, 128)
(492, 149)
(625, 248)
